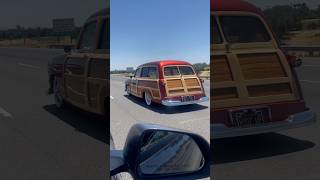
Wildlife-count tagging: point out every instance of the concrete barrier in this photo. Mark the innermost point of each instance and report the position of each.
(303, 51)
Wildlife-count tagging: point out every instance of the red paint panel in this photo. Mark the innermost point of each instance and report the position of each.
(233, 5)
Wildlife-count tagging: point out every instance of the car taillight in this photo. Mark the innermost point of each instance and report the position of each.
(297, 82)
(162, 83)
(162, 87)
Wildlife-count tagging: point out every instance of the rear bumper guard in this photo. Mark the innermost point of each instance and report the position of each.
(179, 103)
(294, 121)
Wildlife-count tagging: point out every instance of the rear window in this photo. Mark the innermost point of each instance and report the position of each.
(171, 71)
(244, 29)
(149, 72)
(178, 70)
(186, 70)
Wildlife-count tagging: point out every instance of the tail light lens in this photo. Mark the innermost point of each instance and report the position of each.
(162, 87)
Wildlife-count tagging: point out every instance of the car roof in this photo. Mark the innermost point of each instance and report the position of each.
(234, 5)
(166, 63)
(103, 12)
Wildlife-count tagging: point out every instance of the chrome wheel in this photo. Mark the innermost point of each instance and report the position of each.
(58, 99)
(148, 98)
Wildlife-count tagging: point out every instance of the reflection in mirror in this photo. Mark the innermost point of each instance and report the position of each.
(164, 153)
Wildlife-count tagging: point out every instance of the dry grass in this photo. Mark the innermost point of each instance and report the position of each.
(42, 42)
(204, 74)
(304, 37)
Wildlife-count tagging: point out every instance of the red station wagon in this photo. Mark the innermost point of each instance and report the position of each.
(171, 83)
(255, 88)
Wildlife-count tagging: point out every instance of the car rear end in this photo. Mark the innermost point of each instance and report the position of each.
(254, 88)
(181, 86)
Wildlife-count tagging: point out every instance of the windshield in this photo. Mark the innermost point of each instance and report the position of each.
(244, 29)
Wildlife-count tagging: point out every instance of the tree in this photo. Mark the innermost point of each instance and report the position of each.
(200, 66)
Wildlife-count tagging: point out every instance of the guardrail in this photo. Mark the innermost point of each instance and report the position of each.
(303, 51)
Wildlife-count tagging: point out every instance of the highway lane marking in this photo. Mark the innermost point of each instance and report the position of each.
(4, 113)
(28, 65)
(309, 81)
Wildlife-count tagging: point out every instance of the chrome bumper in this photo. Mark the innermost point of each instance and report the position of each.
(179, 103)
(294, 121)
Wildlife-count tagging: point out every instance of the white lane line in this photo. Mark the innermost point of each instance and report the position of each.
(309, 81)
(111, 97)
(4, 113)
(28, 65)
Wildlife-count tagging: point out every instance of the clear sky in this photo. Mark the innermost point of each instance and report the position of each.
(34, 13)
(148, 30)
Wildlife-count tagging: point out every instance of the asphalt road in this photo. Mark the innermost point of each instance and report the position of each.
(127, 111)
(38, 140)
(288, 155)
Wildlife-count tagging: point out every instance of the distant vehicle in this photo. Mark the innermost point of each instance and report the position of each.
(79, 77)
(171, 83)
(157, 152)
(255, 88)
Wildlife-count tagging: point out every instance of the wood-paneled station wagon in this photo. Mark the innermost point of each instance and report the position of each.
(254, 87)
(80, 77)
(171, 83)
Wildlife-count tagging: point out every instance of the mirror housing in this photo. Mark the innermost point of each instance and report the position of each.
(132, 148)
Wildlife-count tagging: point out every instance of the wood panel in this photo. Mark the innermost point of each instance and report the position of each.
(221, 69)
(225, 93)
(174, 83)
(261, 66)
(176, 91)
(192, 82)
(269, 89)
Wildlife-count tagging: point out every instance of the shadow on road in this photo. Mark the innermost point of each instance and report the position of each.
(164, 109)
(255, 147)
(93, 125)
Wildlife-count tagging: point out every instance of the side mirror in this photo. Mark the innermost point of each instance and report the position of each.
(155, 152)
(67, 49)
(164, 153)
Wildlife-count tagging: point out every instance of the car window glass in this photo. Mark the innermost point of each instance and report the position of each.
(171, 71)
(215, 37)
(88, 37)
(186, 70)
(153, 73)
(145, 72)
(75, 66)
(244, 29)
(105, 35)
(138, 73)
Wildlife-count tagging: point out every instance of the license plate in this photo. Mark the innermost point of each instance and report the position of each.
(250, 117)
(187, 98)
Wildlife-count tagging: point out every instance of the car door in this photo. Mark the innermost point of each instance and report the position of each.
(134, 82)
(75, 74)
(248, 67)
(98, 70)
